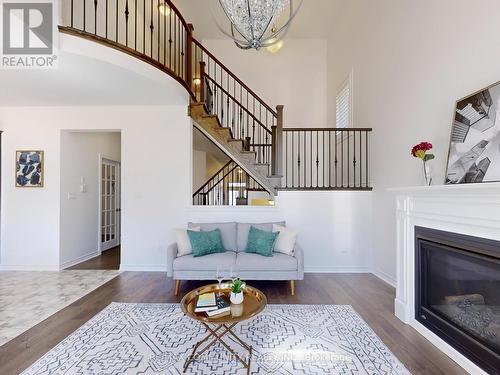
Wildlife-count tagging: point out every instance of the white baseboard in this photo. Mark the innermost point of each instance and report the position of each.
(143, 268)
(83, 258)
(385, 277)
(316, 269)
(28, 267)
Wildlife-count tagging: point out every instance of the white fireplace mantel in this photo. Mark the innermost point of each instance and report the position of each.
(472, 209)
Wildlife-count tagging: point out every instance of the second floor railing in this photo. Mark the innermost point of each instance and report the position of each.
(326, 159)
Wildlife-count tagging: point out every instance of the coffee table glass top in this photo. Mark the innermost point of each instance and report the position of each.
(254, 302)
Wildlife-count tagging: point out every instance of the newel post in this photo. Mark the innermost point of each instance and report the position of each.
(189, 56)
(202, 81)
(277, 140)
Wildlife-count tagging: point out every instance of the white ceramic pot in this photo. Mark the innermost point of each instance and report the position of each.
(236, 298)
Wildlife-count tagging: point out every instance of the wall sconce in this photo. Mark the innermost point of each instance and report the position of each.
(164, 9)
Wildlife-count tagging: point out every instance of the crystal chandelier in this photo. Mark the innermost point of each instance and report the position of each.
(254, 22)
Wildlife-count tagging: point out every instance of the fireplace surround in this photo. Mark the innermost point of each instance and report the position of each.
(457, 281)
(470, 210)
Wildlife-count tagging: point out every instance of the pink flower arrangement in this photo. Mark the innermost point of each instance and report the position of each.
(420, 151)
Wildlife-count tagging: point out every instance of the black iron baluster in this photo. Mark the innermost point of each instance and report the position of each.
(165, 37)
(348, 159)
(158, 26)
(143, 27)
(135, 25)
(170, 41)
(84, 15)
(116, 21)
(330, 159)
(298, 159)
(354, 159)
(106, 23)
(311, 158)
(336, 161)
(95, 17)
(342, 159)
(72, 12)
(317, 158)
(366, 156)
(151, 28)
(324, 161)
(126, 22)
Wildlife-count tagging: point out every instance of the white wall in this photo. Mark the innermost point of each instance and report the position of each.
(80, 153)
(156, 193)
(412, 60)
(150, 136)
(199, 169)
(296, 77)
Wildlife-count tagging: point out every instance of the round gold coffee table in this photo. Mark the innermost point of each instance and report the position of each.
(254, 302)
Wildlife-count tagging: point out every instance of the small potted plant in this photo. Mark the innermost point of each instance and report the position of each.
(420, 151)
(237, 291)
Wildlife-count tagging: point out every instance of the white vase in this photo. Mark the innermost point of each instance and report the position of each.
(236, 298)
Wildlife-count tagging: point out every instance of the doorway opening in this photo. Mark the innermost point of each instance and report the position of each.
(90, 200)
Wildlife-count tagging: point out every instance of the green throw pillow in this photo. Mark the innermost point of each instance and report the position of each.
(261, 242)
(204, 243)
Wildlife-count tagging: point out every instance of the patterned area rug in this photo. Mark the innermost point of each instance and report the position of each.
(157, 339)
(27, 298)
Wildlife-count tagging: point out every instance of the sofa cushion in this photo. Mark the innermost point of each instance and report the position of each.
(205, 243)
(256, 262)
(227, 231)
(244, 228)
(209, 262)
(260, 242)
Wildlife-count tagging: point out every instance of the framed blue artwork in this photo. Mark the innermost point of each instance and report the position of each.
(29, 168)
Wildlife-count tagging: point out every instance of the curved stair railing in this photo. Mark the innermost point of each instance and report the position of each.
(229, 186)
(155, 32)
(151, 30)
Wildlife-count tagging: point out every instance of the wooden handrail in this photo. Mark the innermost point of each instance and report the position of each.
(237, 102)
(230, 73)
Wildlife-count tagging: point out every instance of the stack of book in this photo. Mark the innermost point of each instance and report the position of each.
(212, 305)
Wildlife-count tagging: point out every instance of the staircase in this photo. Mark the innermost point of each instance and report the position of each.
(229, 186)
(223, 107)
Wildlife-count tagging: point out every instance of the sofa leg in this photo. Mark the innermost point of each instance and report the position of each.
(292, 287)
(177, 287)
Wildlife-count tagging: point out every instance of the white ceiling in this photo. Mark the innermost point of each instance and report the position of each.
(314, 19)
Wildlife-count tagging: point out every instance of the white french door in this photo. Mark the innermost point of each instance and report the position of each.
(110, 209)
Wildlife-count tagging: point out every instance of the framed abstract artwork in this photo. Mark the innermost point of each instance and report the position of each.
(474, 154)
(29, 168)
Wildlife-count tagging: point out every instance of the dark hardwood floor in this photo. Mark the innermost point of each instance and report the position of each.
(108, 260)
(370, 297)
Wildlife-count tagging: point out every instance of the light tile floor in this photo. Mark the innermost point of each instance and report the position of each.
(27, 298)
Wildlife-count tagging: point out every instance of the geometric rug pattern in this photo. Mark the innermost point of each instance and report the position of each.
(137, 338)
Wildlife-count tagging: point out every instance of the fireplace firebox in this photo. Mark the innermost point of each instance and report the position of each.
(457, 281)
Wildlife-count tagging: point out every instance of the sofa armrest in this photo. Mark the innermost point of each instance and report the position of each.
(171, 255)
(299, 255)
